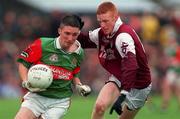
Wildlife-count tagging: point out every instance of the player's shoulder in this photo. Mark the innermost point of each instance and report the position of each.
(47, 39)
(81, 51)
(94, 32)
(125, 27)
(94, 35)
(124, 37)
(47, 42)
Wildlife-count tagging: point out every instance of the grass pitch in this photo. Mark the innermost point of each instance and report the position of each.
(81, 108)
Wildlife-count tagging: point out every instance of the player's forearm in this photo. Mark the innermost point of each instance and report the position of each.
(22, 71)
(76, 81)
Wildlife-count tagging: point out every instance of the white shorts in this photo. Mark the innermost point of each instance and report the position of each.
(112, 78)
(136, 98)
(47, 108)
(173, 77)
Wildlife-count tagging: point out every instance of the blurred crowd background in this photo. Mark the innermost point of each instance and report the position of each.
(21, 24)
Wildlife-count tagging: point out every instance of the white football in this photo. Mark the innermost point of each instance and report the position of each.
(40, 76)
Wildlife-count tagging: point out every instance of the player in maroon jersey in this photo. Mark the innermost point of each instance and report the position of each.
(122, 54)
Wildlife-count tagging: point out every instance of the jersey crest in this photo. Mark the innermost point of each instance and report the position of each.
(74, 61)
(53, 58)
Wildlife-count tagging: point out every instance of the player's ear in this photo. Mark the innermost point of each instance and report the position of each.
(59, 30)
(79, 32)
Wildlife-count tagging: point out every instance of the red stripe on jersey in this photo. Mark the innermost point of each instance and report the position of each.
(60, 73)
(178, 54)
(76, 70)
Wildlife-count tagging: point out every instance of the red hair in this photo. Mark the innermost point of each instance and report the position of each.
(105, 7)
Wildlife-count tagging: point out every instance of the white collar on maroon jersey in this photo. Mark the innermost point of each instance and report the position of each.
(116, 27)
(58, 46)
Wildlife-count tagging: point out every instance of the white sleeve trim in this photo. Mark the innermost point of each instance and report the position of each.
(124, 44)
(94, 36)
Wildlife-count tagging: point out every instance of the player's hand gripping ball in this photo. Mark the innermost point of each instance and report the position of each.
(40, 76)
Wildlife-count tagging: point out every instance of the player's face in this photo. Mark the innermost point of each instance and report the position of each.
(107, 21)
(68, 36)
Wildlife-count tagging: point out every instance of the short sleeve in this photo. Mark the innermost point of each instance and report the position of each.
(31, 54)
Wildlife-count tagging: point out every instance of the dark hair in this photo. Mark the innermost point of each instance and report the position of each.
(72, 20)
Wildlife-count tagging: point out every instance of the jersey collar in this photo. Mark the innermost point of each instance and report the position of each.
(58, 46)
(116, 27)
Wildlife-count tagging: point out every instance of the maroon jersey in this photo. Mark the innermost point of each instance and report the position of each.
(128, 63)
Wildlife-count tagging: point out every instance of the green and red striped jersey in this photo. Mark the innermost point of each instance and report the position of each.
(64, 65)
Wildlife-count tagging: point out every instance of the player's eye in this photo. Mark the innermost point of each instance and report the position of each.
(67, 33)
(75, 34)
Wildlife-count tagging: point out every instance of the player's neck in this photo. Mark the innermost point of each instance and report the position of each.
(70, 49)
(73, 48)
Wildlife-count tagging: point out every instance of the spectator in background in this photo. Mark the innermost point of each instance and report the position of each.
(171, 82)
(150, 28)
(55, 16)
(150, 34)
(9, 83)
(9, 27)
